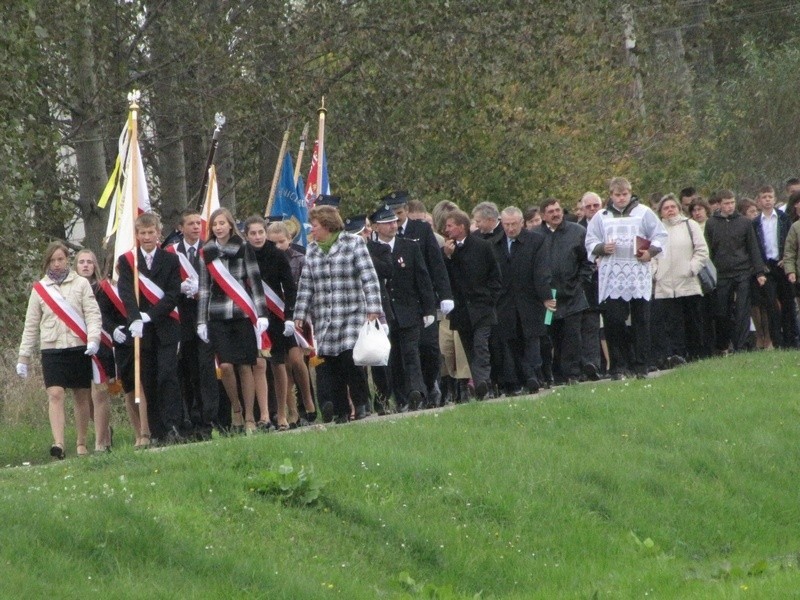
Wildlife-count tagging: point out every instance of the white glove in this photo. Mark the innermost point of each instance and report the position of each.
(145, 317)
(119, 335)
(446, 306)
(428, 320)
(136, 328)
(288, 329)
(262, 324)
(92, 348)
(202, 332)
(189, 288)
(22, 370)
(385, 327)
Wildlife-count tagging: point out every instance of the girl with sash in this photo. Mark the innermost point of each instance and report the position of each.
(86, 266)
(280, 291)
(64, 319)
(232, 311)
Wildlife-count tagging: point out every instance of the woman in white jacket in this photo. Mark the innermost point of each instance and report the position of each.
(64, 319)
(677, 321)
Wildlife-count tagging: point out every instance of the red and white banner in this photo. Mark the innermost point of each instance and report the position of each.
(236, 292)
(150, 289)
(65, 311)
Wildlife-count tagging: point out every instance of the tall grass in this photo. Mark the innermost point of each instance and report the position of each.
(682, 486)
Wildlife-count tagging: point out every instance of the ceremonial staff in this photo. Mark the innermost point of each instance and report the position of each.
(322, 111)
(219, 121)
(277, 174)
(300, 152)
(138, 393)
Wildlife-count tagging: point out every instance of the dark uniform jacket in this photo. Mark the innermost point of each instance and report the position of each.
(733, 247)
(525, 283)
(410, 289)
(422, 233)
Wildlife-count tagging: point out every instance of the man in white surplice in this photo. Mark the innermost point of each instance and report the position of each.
(623, 238)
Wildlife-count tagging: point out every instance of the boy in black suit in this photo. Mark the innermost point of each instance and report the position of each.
(155, 320)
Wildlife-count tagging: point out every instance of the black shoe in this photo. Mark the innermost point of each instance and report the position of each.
(617, 376)
(173, 437)
(512, 391)
(481, 390)
(414, 400)
(361, 412)
(675, 361)
(572, 381)
(533, 385)
(434, 397)
(327, 412)
(310, 417)
(342, 419)
(462, 391)
(402, 408)
(265, 426)
(590, 372)
(380, 405)
(57, 452)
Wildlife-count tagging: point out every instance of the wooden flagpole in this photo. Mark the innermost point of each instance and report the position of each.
(276, 176)
(322, 111)
(139, 396)
(300, 152)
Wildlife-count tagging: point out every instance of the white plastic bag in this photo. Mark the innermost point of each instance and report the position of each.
(372, 346)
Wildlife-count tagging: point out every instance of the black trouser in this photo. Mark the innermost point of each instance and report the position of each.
(678, 327)
(429, 355)
(616, 313)
(565, 334)
(404, 362)
(590, 337)
(733, 312)
(198, 379)
(777, 298)
(521, 357)
(341, 374)
(159, 372)
(476, 347)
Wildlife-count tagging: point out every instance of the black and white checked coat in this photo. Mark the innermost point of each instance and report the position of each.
(336, 292)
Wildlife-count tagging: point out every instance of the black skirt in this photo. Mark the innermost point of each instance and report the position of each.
(234, 341)
(68, 368)
(124, 357)
(280, 343)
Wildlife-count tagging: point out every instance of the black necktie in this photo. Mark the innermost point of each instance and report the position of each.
(192, 258)
(400, 232)
(513, 247)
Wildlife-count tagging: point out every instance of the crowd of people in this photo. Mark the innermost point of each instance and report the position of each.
(496, 302)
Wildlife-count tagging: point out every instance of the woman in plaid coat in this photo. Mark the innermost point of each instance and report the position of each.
(337, 293)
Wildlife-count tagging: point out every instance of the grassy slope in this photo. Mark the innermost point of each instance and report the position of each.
(682, 486)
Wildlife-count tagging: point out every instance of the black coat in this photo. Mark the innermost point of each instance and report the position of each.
(422, 233)
(166, 275)
(381, 256)
(784, 225)
(276, 272)
(592, 287)
(476, 283)
(410, 288)
(525, 283)
(570, 269)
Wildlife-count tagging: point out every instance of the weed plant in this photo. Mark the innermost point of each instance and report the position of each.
(681, 486)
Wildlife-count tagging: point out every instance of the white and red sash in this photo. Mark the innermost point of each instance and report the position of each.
(187, 270)
(276, 304)
(113, 294)
(74, 321)
(149, 288)
(236, 292)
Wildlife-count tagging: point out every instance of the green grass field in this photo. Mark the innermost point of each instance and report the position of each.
(680, 486)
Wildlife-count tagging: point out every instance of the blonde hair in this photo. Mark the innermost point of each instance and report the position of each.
(93, 256)
(279, 228)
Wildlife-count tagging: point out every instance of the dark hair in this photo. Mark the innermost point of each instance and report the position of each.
(188, 212)
(702, 203)
(790, 205)
(686, 192)
(222, 212)
(548, 202)
(254, 220)
(791, 181)
(744, 204)
(530, 212)
(724, 195)
(416, 206)
(765, 189)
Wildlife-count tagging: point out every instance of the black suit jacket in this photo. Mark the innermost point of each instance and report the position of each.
(165, 273)
(476, 282)
(410, 288)
(187, 307)
(525, 283)
(422, 233)
(381, 257)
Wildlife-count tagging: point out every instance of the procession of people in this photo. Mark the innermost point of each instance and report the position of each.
(245, 332)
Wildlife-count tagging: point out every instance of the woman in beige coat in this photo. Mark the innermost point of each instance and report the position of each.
(677, 319)
(61, 296)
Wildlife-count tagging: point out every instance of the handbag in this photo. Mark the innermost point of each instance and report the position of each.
(372, 346)
(708, 272)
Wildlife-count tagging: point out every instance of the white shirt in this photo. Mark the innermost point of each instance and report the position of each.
(390, 243)
(769, 229)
